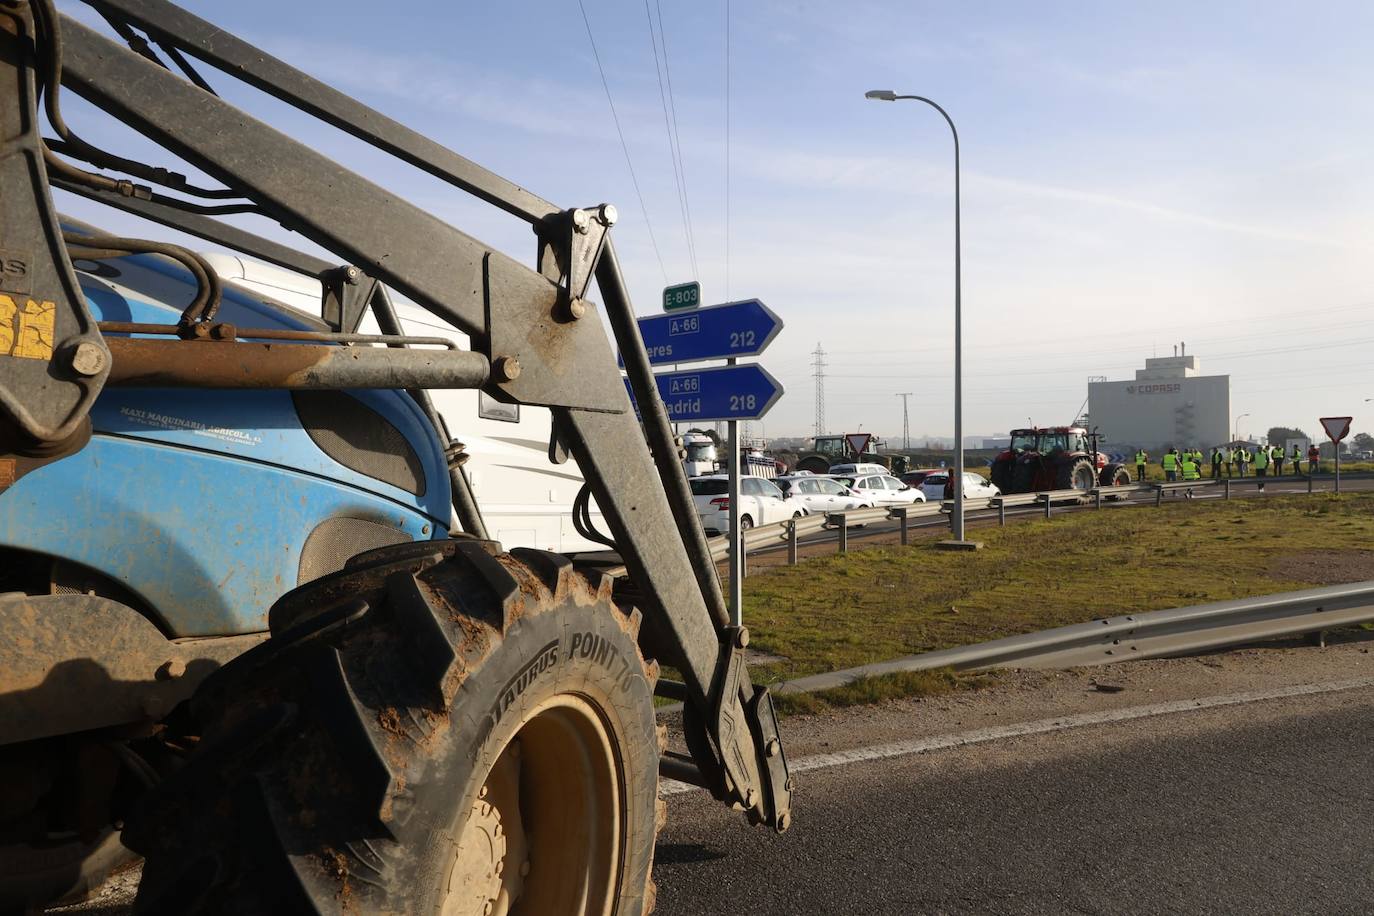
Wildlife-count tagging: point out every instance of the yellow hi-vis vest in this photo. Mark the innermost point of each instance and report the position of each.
(1261, 458)
(1189, 468)
(1170, 462)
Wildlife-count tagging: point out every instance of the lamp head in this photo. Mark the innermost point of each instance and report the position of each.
(882, 95)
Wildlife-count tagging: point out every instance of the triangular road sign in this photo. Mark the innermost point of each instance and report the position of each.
(1337, 427)
(858, 442)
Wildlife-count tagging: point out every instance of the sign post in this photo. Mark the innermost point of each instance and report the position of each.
(1337, 428)
(733, 392)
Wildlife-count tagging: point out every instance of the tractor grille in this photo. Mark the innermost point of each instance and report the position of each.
(360, 439)
(335, 540)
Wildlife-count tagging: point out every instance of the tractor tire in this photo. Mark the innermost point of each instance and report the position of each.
(437, 728)
(1115, 475)
(1001, 475)
(1022, 478)
(813, 463)
(1076, 474)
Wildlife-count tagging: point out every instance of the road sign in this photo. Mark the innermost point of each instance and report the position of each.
(858, 442)
(681, 296)
(721, 393)
(742, 328)
(1337, 427)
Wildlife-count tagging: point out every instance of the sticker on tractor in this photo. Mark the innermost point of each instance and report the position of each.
(27, 333)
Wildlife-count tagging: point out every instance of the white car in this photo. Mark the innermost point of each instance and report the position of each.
(820, 495)
(855, 470)
(884, 490)
(975, 486)
(761, 503)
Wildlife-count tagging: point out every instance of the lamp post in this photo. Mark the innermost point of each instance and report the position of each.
(1236, 436)
(957, 516)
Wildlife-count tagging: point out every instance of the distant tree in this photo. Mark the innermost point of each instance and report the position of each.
(1279, 435)
(1363, 442)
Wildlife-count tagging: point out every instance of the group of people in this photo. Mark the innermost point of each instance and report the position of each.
(1188, 464)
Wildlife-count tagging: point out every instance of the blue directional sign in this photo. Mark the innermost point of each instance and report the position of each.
(721, 393)
(742, 328)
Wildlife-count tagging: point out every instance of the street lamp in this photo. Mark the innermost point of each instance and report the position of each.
(957, 516)
(1236, 436)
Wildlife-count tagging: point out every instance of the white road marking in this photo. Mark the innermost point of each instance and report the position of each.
(1042, 726)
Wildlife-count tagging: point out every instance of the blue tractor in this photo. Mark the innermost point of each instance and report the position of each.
(254, 630)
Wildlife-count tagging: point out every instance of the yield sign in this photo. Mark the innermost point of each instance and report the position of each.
(1337, 427)
(858, 442)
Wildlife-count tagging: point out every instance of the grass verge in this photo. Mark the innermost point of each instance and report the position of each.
(880, 603)
(869, 690)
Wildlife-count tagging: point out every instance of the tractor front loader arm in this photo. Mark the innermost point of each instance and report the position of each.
(543, 341)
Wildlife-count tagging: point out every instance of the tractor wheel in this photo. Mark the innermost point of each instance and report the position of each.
(814, 463)
(436, 729)
(1001, 475)
(1076, 474)
(1115, 475)
(1022, 478)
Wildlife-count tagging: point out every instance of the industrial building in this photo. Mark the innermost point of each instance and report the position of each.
(1168, 403)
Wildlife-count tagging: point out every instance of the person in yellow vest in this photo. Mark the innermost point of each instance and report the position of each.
(1241, 458)
(1261, 464)
(1190, 470)
(1276, 453)
(1216, 462)
(1296, 458)
(1170, 464)
(1142, 458)
(1226, 458)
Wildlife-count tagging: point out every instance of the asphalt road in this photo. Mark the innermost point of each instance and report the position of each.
(1266, 807)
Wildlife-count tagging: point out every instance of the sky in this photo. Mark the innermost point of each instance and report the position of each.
(1132, 176)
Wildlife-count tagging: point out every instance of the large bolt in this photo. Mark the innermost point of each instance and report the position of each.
(351, 275)
(581, 221)
(607, 214)
(742, 638)
(772, 747)
(506, 369)
(576, 309)
(88, 359)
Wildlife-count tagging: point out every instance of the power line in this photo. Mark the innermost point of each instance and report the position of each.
(623, 145)
(674, 138)
(819, 365)
(906, 420)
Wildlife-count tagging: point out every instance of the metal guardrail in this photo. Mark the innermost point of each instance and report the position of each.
(1107, 640)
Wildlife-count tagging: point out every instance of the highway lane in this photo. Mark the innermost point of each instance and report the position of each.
(1266, 807)
(1240, 491)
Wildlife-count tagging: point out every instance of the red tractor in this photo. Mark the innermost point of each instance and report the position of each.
(1055, 458)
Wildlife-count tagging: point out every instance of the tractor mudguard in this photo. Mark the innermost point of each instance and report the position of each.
(77, 662)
